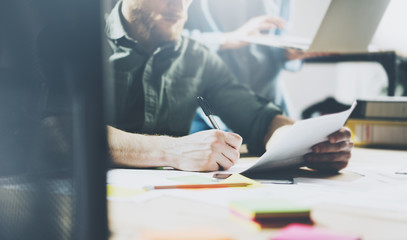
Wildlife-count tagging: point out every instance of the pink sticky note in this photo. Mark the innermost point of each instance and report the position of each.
(305, 232)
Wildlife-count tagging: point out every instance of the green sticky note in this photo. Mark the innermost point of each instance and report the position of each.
(269, 208)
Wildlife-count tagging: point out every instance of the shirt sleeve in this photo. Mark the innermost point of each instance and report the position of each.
(241, 109)
(284, 13)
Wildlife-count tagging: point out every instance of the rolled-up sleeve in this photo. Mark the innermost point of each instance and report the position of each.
(240, 108)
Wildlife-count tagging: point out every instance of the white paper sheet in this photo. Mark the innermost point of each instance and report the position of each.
(295, 143)
(139, 178)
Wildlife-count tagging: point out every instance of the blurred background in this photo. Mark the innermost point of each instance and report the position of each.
(52, 170)
(344, 81)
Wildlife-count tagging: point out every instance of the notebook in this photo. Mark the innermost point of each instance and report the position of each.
(347, 27)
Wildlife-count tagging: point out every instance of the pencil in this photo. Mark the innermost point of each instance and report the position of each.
(195, 186)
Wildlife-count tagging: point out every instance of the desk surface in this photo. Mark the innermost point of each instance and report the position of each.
(369, 171)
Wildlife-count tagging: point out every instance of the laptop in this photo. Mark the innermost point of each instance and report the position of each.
(347, 27)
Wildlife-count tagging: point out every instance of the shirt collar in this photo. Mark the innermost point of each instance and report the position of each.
(114, 26)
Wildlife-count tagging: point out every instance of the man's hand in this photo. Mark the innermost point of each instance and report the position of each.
(257, 24)
(202, 151)
(332, 155)
(252, 27)
(205, 151)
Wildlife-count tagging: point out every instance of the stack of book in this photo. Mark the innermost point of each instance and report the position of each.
(380, 122)
(266, 213)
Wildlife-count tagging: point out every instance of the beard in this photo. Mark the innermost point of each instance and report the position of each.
(162, 35)
(156, 28)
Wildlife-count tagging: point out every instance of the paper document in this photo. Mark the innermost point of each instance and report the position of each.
(289, 150)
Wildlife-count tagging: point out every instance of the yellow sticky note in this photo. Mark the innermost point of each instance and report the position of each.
(115, 191)
(238, 178)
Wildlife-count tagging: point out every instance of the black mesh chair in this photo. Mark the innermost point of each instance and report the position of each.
(53, 153)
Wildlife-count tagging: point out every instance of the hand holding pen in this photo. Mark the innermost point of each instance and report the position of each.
(205, 150)
(207, 110)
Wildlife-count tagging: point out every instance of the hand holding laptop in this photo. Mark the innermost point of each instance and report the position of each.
(347, 27)
(253, 27)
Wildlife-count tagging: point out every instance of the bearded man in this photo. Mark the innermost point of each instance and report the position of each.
(158, 75)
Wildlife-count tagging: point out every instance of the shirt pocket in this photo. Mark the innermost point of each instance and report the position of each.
(121, 84)
(181, 103)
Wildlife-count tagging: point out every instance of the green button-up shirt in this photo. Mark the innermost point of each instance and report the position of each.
(156, 94)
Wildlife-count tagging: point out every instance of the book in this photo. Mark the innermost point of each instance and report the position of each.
(383, 108)
(367, 132)
(267, 213)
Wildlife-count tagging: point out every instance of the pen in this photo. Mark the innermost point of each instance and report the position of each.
(207, 110)
(195, 186)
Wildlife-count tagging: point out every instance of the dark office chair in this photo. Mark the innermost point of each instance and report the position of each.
(326, 106)
(52, 172)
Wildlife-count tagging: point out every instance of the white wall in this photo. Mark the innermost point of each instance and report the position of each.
(344, 81)
(392, 33)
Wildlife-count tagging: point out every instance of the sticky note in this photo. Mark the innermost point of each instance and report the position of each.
(122, 192)
(238, 178)
(269, 208)
(307, 232)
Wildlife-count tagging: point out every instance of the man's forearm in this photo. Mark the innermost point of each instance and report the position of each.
(278, 122)
(202, 151)
(137, 150)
